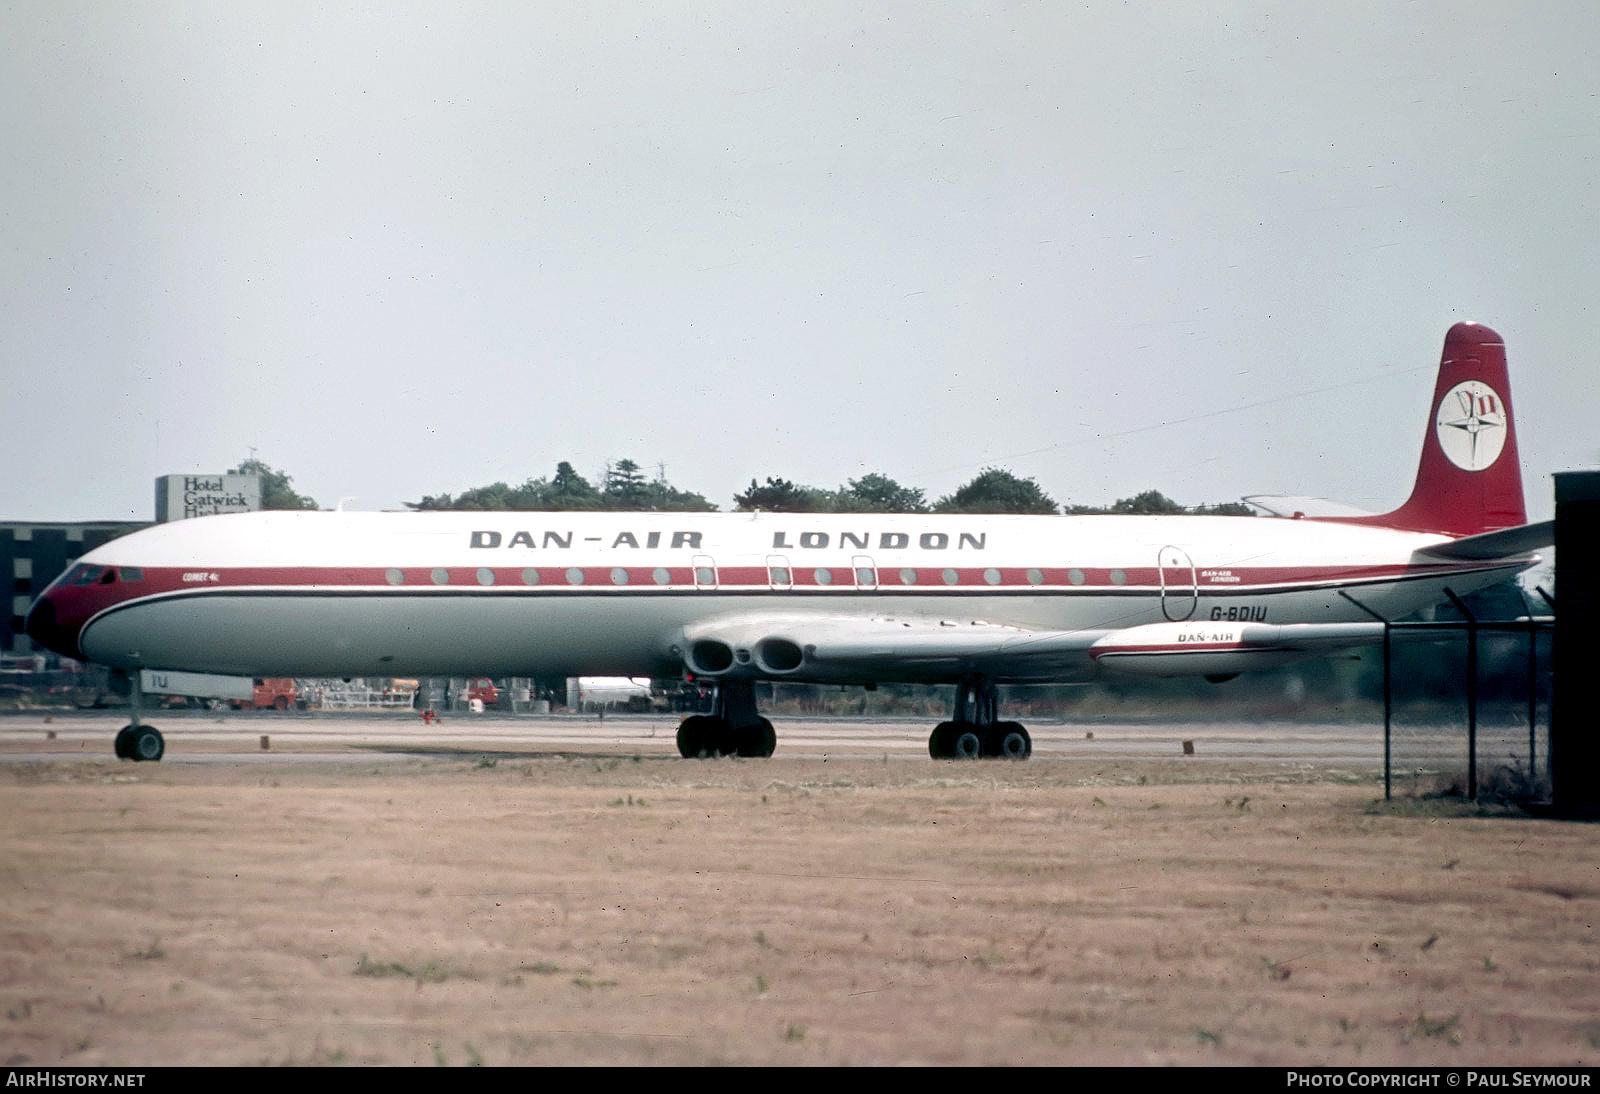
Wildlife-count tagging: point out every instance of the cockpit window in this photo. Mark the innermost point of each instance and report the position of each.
(102, 575)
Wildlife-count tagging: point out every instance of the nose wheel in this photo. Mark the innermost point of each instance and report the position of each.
(137, 741)
(140, 743)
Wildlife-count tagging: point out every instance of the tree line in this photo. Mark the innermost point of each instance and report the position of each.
(625, 487)
(992, 491)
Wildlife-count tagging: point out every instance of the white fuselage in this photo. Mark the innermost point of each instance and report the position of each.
(522, 593)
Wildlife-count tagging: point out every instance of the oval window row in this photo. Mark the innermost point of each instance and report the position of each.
(620, 575)
(530, 576)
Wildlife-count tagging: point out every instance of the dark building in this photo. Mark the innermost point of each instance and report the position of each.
(33, 554)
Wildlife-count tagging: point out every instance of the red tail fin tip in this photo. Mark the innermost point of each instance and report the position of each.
(1470, 478)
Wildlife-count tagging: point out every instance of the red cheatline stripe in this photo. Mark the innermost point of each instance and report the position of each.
(841, 578)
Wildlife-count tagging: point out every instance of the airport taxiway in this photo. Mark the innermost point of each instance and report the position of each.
(207, 737)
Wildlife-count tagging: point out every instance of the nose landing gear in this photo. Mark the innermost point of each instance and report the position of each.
(137, 741)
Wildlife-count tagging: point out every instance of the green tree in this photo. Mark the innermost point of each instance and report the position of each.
(1224, 509)
(1155, 503)
(494, 496)
(1151, 502)
(625, 490)
(997, 491)
(569, 490)
(877, 493)
(625, 486)
(277, 489)
(660, 496)
(783, 496)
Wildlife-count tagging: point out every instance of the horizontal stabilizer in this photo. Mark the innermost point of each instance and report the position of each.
(1295, 505)
(1501, 544)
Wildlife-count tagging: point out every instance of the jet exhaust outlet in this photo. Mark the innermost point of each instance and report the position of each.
(779, 655)
(709, 656)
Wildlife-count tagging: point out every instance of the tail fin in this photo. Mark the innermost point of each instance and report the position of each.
(1470, 479)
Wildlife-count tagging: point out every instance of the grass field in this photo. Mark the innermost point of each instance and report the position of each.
(593, 908)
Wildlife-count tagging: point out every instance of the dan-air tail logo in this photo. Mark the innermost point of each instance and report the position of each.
(1471, 425)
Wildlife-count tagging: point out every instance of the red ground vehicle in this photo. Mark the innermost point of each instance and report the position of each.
(481, 687)
(198, 690)
(276, 692)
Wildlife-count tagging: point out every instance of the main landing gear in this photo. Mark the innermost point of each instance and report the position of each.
(974, 733)
(736, 728)
(733, 728)
(137, 741)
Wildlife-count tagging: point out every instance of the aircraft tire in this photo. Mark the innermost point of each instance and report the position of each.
(966, 743)
(940, 741)
(1011, 741)
(146, 745)
(692, 738)
(124, 743)
(701, 736)
(759, 740)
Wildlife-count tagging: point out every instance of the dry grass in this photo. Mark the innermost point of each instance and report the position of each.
(596, 909)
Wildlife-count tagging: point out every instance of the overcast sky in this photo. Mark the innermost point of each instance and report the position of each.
(407, 249)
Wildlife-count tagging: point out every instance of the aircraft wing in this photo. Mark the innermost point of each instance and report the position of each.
(844, 649)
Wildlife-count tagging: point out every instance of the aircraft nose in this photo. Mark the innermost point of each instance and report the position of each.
(44, 626)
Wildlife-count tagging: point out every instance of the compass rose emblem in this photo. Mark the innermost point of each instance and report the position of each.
(1471, 425)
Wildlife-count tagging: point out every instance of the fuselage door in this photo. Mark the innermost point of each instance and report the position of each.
(866, 573)
(1179, 591)
(705, 572)
(779, 574)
